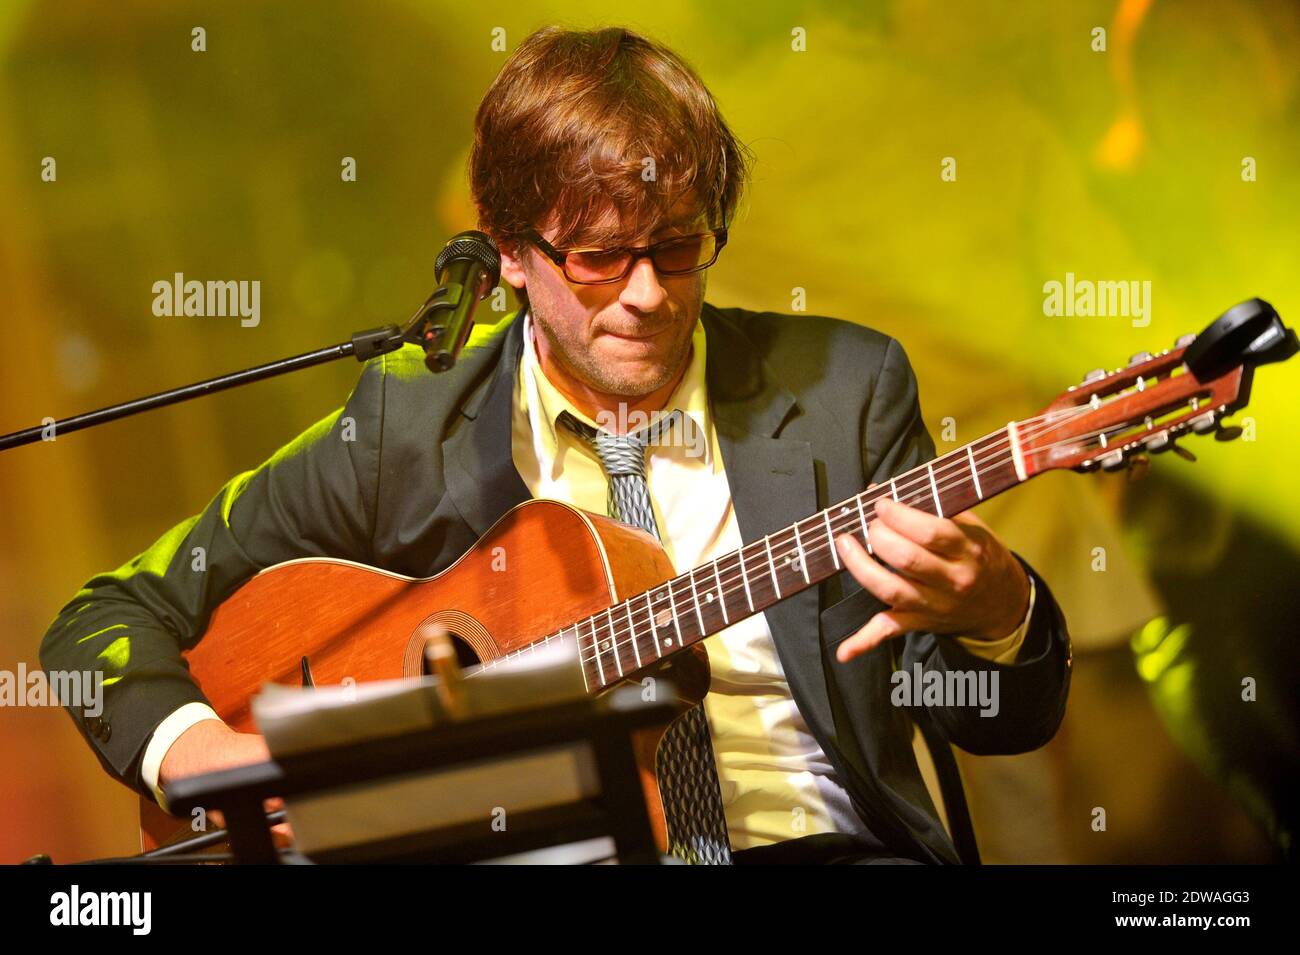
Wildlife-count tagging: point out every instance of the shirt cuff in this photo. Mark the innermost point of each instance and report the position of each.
(1004, 649)
(168, 732)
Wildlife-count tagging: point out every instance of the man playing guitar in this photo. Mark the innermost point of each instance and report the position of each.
(607, 176)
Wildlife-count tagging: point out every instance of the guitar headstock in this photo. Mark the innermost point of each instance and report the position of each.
(1155, 399)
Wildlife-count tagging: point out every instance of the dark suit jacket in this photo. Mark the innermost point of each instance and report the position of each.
(808, 411)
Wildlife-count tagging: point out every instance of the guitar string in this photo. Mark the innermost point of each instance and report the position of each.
(601, 643)
(728, 584)
(912, 490)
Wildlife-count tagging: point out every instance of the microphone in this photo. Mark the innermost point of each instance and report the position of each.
(468, 267)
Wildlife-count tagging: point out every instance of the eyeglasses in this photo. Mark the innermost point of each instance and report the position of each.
(678, 255)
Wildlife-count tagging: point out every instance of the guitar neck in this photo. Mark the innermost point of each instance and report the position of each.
(636, 633)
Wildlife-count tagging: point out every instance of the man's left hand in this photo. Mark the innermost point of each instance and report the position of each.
(952, 576)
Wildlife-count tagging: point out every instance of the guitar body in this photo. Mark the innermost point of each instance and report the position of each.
(543, 565)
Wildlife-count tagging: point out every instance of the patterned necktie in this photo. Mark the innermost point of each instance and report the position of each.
(685, 767)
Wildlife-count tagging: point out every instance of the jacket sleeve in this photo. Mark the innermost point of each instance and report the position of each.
(314, 497)
(1030, 692)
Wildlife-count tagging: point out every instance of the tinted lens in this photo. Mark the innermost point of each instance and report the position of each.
(685, 255)
(594, 266)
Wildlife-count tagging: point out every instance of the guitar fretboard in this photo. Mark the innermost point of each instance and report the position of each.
(636, 633)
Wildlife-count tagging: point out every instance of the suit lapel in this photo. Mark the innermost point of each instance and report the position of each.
(479, 467)
(772, 485)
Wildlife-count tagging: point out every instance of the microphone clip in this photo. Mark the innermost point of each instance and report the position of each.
(468, 267)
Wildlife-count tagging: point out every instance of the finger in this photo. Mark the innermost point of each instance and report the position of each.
(281, 832)
(885, 585)
(938, 534)
(282, 835)
(883, 626)
(978, 534)
(909, 558)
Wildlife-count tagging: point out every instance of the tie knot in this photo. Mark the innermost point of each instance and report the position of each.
(622, 454)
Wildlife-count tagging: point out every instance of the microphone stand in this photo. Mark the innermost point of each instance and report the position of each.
(420, 330)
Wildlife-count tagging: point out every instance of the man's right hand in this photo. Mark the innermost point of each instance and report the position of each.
(210, 746)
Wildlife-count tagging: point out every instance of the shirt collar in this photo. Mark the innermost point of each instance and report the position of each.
(540, 395)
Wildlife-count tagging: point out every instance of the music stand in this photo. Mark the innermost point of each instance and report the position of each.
(601, 727)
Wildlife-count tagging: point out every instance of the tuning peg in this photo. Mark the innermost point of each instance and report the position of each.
(1112, 461)
(1139, 358)
(1158, 442)
(1204, 424)
(1138, 467)
(1182, 452)
(1184, 340)
(1094, 375)
(1227, 433)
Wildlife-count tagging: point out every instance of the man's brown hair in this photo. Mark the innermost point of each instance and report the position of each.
(570, 126)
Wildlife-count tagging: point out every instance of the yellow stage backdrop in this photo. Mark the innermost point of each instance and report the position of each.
(926, 168)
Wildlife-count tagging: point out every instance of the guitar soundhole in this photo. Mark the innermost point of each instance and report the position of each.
(466, 634)
(465, 655)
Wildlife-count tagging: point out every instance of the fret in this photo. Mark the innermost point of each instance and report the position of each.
(613, 645)
(934, 489)
(1016, 457)
(862, 517)
(636, 651)
(695, 599)
(803, 556)
(673, 607)
(893, 491)
(722, 596)
(992, 470)
(586, 683)
(631, 628)
(654, 628)
(974, 472)
(830, 538)
(771, 566)
(595, 645)
(744, 576)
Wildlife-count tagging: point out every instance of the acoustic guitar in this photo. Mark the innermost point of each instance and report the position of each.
(611, 589)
